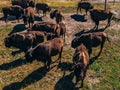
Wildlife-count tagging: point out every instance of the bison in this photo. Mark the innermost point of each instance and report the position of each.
(28, 16)
(24, 40)
(80, 61)
(45, 50)
(43, 7)
(91, 40)
(50, 27)
(23, 3)
(15, 10)
(99, 15)
(84, 5)
(58, 15)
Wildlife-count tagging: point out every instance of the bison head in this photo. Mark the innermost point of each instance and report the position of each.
(7, 42)
(75, 42)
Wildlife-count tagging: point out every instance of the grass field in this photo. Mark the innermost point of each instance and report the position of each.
(103, 74)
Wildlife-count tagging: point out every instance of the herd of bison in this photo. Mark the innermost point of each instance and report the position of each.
(43, 40)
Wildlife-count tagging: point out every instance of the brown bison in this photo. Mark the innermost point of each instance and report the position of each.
(43, 7)
(23, 3)
(58, 15)
(45, 50)
(91, 40)
(50, 27)
(24, 40)
(84, 5)
(99, 15)
(15, 10)
(28, 16)
(80, 61)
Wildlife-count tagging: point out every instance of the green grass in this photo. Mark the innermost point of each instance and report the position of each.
(15, 72)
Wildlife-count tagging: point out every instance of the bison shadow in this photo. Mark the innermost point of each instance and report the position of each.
(79, 18)
(13, 64)
(65, 66)
(18, 28)
(90, 31)
(31, 78)
(66, 83)
(37, 18)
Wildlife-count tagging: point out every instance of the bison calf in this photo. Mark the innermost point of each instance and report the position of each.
(80, 62)
(45, 50)
(91, 40)
(99, 15)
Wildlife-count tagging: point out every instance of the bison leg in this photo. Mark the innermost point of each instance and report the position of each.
(48, 63)
(77, 9)
(60, 54)
(96, 25)
(101, 47)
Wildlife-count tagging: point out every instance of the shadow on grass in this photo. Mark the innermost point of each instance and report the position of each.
(66, 83)
(90, 31)
(79, 18)
(65, 66)
(13, 64)
(31, 78)
(18, 28)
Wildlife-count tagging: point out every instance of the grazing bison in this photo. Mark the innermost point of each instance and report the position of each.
(15, 10)
(28, 16)
(45, 50)
(99, 15)
(58, 15)
(24, 40)
(43, 7)
(84, 5)
(91, 40)
(80, 62)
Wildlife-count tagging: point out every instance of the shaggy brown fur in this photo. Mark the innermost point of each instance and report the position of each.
(24, 40)
(28, 16)
(15, 10)
(45, 50)
(99, 15)
(90, 40)
(43, 7)
(80, 61)
(58, 15)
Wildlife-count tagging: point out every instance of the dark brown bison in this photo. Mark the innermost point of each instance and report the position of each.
(23, 3)
(91, 40)
(15, 10)
(43, 7)
(28, 16)
(80, 61)
(99, 15)
(58, 15)
(50, 27)
(24, 40)
(84, 5)
(45, 50)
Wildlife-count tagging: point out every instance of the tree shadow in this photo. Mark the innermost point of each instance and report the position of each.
(16, 52)
(79, 18)
(13, 64)
(31, 78)
(66, 83)
(65, 66)
(18, 28)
